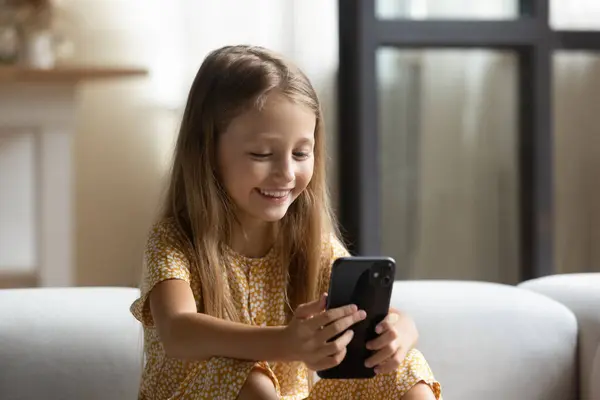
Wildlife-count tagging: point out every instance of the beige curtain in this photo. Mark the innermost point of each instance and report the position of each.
(449, 161)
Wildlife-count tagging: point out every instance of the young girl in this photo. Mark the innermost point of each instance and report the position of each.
(232, 300)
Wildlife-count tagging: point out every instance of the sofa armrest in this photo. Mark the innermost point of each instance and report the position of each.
(581, 294)
(69, 343)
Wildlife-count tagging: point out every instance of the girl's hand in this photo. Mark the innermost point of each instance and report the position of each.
(397, 336)
(308, 333)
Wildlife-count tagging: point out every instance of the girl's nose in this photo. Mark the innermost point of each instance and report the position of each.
(286, 170)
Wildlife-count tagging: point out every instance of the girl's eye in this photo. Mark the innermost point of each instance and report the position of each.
(301, 155)
(260, 155)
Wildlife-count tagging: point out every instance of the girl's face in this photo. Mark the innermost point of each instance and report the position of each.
(266, 158)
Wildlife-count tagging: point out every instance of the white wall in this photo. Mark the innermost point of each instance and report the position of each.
(126, 129)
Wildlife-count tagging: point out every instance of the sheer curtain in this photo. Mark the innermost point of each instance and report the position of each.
(577, 122)
(449, 155)
(448, 125)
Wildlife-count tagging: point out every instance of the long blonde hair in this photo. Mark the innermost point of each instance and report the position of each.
(231, 80)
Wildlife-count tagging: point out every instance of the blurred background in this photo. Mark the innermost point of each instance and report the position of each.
(466, 135)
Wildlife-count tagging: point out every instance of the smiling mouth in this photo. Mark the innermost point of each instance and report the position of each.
(275, 194)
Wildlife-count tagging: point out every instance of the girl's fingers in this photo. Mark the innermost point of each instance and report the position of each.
(380, 342)
(337, 345)
(380, 356)
(308, 310)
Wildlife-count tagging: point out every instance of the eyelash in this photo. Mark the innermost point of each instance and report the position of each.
(259, 155)
(265, 155)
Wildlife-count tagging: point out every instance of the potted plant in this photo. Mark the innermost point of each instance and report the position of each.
(36, 20)
(9, 37)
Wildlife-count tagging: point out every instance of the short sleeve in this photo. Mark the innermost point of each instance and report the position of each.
(164, 259)
(332, 249)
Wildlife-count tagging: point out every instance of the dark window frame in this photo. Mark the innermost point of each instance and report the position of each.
(533, 41)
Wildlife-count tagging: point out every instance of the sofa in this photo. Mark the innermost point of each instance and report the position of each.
(535, 341)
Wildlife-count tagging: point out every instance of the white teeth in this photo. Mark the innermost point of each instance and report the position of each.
(274, 193)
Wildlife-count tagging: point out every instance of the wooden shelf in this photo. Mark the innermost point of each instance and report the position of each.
(17, 74)
(14, 280)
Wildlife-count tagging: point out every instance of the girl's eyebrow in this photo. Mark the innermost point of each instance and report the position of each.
(270, 136)
(308, 141)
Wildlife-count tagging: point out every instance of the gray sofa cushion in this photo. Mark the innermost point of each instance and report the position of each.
(491, 341)
(76, 343)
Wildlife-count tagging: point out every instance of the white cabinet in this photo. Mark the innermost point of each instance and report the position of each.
(37, 128)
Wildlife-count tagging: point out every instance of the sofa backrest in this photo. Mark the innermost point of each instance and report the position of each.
(482, 340)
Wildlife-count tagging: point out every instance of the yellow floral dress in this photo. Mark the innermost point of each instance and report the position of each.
(257, 288)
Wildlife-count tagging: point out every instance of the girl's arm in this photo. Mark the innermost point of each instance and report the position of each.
(187, 334)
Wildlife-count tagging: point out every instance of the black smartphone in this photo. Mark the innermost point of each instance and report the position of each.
(366, 282)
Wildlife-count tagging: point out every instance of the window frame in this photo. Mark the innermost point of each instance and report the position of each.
(534, 42)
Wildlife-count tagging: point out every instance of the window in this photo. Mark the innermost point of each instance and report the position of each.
(447, 133)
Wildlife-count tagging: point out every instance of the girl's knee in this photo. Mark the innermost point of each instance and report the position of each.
(258, 386)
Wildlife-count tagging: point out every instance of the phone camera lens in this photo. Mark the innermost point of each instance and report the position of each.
(386, 281)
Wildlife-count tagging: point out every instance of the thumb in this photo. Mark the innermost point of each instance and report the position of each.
(307, 310)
